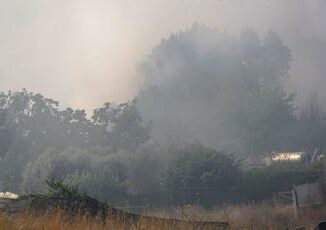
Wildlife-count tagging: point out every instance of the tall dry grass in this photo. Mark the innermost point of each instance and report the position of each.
(59, 221)
(263, 216)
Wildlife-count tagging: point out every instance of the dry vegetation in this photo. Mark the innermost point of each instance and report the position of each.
(250, 216)
(263, 216)
(58, 221)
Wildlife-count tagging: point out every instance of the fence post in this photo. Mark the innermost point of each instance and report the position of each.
(295, 203)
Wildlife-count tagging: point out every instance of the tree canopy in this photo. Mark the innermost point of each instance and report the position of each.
(30, 124)
(223, 90)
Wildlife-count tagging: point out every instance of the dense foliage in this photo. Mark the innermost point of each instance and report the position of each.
(34, 130)
(202, 175)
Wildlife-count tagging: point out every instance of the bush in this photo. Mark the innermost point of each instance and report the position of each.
(202, 175)
(118, 177)
(54, 165)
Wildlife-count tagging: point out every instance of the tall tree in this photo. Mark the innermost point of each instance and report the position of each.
(222, 90)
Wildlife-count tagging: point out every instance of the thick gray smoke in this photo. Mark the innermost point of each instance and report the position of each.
(225, 91)
(67, 49)
(226, 84)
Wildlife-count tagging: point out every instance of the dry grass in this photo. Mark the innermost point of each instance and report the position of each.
(262, 216)
(58, 221)
(272, 216)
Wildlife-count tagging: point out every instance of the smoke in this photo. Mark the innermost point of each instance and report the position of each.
(84, 53)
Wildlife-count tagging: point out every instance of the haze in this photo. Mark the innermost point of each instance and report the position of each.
(84, 53)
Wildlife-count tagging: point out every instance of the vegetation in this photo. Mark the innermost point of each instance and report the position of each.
(207, 94)
(202, 175)
(175, 175)
(267, 216)
(223, 90)
(57, 189)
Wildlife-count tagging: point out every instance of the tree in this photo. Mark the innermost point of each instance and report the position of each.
(30, 124)
(203, 175)
(222, 90)
(119, 127)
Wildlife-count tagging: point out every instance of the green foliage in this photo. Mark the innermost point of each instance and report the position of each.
(106, 178)
(56, 165)
(202, 174)
(57, 188)
(31, 124)
(120, 127)
(111, 177)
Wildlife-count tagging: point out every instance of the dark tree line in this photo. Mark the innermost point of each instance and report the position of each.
(31, 124)
(111, 157)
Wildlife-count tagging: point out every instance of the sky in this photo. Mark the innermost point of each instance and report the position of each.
(87, 52)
